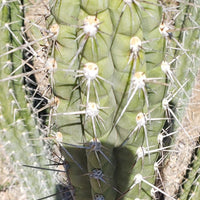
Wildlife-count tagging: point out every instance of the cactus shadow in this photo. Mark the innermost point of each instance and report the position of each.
(125, 161)
(63, 192)
(117, 175)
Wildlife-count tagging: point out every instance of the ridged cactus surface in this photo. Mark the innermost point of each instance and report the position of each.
(110, 72)
(104, 82)
(18, 129)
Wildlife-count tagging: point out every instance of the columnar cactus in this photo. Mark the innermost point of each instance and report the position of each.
(104, 97)
(110, 71)
(19, 133)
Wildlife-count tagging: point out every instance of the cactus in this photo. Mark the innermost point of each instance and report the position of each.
(101, 78)
(19, 132)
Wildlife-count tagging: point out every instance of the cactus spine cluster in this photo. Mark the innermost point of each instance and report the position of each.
(105, 76)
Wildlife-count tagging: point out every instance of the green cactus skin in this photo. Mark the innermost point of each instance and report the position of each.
(107, 125)
(110, 51)
(186, 65)
(112, 55)
(17, 125)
